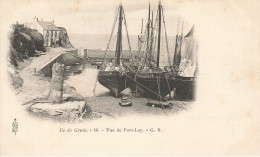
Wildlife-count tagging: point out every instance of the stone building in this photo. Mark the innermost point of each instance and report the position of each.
(49, 31)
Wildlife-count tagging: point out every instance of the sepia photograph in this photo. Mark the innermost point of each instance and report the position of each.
(66, 76)
(126, 78)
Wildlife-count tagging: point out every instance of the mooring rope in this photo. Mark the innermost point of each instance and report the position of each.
(125, 79)
(169, 60)
(159, 83)
(168, 87)
(146, 88)
(113, 28)
(130, 49)
(108, 45)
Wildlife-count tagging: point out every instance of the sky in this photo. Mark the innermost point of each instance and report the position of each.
(96, 16)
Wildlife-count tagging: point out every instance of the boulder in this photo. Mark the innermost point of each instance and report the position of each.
(70, 111)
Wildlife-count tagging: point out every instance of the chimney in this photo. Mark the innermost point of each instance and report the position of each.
(53, 21)
(35, 19)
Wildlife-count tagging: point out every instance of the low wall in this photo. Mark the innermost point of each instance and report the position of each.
(46, 69)
(93, 55)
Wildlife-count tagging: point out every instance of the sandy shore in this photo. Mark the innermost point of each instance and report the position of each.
(104, 103)
(35, 86)
(101, 102)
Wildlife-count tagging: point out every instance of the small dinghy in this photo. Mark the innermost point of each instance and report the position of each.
(78, 69)
(160, 104)
(125, 101)
(77, 72)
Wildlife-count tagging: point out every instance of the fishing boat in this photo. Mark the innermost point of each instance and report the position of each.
(184, 74)
(113, 75)
(151, 80)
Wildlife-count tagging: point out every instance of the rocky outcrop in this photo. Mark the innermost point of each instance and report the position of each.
(24, 42)
(70, 111)
(37, 40)
(64, 40)
(15, 57)
(15, 79)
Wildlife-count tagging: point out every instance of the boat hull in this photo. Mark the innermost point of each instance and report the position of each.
(185, 88)
(147, 85)
(113, 80)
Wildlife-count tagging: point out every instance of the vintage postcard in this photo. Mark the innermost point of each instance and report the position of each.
(130, 78)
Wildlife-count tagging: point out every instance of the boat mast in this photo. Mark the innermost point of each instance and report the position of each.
(178, 26)
(119, 36)
(176, 46)
(139, 40)
(159, 36)
(148, 35)
(142, 26)
(128, 39)
(181, 37)
(151, 45)
(169, 60)
(110, 38)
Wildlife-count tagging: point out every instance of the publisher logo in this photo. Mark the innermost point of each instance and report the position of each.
(15, 126)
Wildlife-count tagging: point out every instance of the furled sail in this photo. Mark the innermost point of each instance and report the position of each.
(177, 53)
(189, 55)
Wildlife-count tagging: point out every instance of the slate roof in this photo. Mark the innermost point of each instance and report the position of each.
(48, 25)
